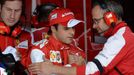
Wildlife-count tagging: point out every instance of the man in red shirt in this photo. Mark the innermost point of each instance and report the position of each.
(58, 48)
(12, 38)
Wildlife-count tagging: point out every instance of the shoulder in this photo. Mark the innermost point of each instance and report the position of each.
(41, 43)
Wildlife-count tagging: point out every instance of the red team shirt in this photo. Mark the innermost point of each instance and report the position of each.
(53, 50)
(118, 52)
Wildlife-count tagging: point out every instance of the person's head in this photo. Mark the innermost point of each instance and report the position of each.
(62, 23)
(106, 15)
(43, 11)
(41, 14)
(10, 11)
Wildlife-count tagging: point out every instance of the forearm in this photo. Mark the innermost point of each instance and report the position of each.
(64, 70)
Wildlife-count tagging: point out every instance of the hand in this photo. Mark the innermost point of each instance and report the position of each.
(75, 59)
(42, 68)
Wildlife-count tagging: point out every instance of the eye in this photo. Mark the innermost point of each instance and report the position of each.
(8, 9)
(97, 20)
(17, 10)
(66, 28)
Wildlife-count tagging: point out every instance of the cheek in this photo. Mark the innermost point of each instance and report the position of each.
(98, 27)
(3, 15)
(62, 34)
(104, 27)
(18, 15)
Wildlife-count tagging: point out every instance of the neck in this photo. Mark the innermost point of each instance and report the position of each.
(118, 21)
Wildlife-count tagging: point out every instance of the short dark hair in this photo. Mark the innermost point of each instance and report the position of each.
(110, 6)
(43, 11)
(50, 31)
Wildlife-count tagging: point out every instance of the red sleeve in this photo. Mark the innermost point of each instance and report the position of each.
(80, 70)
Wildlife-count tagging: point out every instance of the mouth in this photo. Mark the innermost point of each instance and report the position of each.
(71, 38)
(11, 21)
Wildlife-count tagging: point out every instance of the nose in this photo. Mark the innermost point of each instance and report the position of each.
(95, 26)
(12, 14)
(72, 31)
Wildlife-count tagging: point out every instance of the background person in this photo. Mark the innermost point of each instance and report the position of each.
(40, 21)
(13, 39)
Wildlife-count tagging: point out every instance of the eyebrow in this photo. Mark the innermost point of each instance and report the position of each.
(12, 9)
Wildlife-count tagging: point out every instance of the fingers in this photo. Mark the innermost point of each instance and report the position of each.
(41, 68)
(34, 68)
(74, 59)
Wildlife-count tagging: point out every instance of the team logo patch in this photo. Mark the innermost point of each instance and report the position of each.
(54, 16)
(55, 56)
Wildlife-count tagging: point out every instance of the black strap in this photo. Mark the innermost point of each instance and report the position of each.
(100, 67)
(118, 70)
(97, 62)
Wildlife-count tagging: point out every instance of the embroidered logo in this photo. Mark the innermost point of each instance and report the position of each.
(55, 56)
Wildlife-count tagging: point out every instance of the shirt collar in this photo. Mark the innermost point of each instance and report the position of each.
(58, 44)
(118, 26)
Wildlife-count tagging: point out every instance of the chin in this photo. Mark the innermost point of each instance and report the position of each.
(10, 25)
(101, 34)
(69, 42)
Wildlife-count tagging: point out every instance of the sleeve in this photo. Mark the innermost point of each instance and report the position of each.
(80, 70)
(113, 52)
(37, 56)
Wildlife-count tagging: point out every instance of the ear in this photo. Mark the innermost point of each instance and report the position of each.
(53, 29)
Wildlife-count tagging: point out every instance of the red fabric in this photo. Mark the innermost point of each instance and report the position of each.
(60, 15)
(53, 46)
(27, 8)
(36, 35)
(4, 29)
(39, 34)
(110, 18)
(58, 2)
(34, 21)
(16, 31)
(77, 7)
(80, 70)
(6, 41)
(118, 50)
(25, 36)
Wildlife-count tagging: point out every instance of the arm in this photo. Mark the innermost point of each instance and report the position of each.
(64, 70)
(47, 68)
(75, 59)
(76, 56)
(37, 56)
